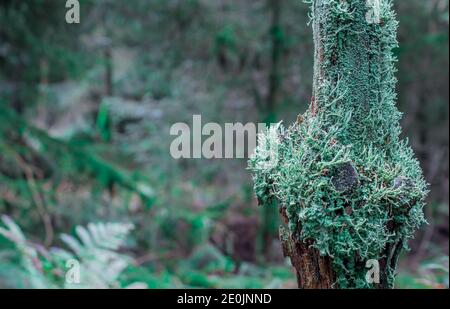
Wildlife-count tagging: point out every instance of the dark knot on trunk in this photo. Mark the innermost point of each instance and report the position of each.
(345, 177)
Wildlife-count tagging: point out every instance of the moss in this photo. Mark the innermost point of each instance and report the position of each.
(341, 172)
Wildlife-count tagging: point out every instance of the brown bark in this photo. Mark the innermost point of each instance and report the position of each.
(313, 271)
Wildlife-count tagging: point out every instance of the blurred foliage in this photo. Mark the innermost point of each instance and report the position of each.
(432, 274)
(85, 112)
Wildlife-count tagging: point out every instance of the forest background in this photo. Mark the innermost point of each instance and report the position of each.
(85, 113)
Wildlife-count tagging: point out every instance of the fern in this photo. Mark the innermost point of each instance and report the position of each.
(30, 261)
(94, 249)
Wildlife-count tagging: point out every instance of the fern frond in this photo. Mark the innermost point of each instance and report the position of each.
(29, 255)
(95, 247)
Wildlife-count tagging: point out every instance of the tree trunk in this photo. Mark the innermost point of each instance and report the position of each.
(269, 214)
(313, 271)
(276, 35)
(350, 191)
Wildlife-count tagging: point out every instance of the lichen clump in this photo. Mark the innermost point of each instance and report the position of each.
(341, 173)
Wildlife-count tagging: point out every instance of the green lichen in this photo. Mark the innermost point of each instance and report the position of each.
(345, 178)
